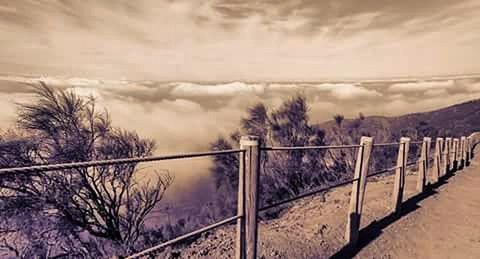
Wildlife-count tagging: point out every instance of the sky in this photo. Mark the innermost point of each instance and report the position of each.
(239, 40)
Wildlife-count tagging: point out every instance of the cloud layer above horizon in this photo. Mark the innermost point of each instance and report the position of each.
(187, 116)
(239, 39)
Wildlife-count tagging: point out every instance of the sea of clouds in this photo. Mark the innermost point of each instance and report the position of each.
(186, 116)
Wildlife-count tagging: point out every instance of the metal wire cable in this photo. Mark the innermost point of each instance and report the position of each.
(64, 166)
(413, 163)
(386, 144)
(383, 171)
(308, 147)
(180, 238)
(416, 142)
(310, 193)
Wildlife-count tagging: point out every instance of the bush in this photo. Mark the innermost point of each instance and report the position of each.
(107, 202)
(284, 174)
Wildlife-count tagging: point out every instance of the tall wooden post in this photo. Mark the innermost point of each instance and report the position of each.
(240, 239)
(468, 157)
(463, 150)
(358, 191)
(456, 153)
(399, 183)
(472, 148)
(423, 164)
(247, 232)
(437, 160)
(446, 156)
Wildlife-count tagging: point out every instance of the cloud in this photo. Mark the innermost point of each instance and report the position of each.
(473, 87)
(347, 91)
(283, 87)
(8, 106)
(436, 92)
(341, 17)
(396, 96)
(232, 40)
(229, 89)
(421, 86)
(410, 105)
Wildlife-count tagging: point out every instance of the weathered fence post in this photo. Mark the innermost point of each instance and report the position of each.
(399, 183)
(240, 239)
(456, 152)
(463, 149)
(472, 154)
(358, 191)
(446, 156)
(469, 154)
(247, 231)
(423, 164)
(451, 155)
(437, 160)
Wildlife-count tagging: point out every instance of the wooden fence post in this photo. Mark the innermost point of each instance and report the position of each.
(358, 191)
(247, 231)
(437, 160)
(446, 156)
(240, 239)
(467, 159)
(423, 164)
(456, 153)
(399, 183)
(471, 143)
(451, 154)
(463, 149)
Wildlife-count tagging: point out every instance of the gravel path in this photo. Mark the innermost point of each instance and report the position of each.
(444, 225)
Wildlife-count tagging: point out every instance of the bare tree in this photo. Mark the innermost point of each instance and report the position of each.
(109, 202)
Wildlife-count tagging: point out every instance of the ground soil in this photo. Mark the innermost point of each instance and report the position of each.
(443, 222)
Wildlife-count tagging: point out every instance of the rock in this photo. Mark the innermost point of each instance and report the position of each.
(274, 253)
(175, 254)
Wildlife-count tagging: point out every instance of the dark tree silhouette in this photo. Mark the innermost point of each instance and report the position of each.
(110, 202)
(338, 119)
(361, 116)
(284, 174)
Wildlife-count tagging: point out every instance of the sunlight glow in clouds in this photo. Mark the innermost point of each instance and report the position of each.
(345, 91)
(228, 89)
(421, 86)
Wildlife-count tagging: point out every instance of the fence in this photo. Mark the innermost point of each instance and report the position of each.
(450, 154)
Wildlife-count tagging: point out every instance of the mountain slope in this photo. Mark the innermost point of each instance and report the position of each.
(456, 120)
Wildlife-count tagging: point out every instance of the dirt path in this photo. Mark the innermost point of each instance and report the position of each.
(441, 223)
(444, 225)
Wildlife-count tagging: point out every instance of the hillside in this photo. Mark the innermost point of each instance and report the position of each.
(462, 119)
(314, 227)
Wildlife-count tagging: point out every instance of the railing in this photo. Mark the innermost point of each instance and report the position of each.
(449, 155)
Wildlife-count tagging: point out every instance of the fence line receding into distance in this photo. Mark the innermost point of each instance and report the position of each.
(450, 154)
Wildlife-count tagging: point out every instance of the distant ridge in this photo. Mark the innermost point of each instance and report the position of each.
(462, 118)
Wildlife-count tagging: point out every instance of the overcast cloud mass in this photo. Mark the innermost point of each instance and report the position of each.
(231, 40)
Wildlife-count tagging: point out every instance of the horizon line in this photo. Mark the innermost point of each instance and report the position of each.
(324, 80)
